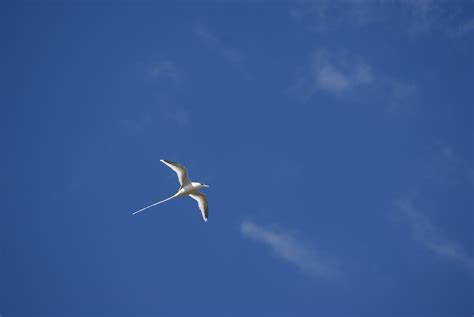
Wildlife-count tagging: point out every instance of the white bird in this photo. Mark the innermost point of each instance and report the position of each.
(187, 188)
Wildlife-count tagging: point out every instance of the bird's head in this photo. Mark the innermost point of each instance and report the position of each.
(203, 185)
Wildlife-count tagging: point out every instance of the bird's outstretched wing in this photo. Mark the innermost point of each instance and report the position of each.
(180, 170)
(202, 201)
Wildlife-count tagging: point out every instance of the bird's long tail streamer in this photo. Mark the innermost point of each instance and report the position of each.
(136, 212)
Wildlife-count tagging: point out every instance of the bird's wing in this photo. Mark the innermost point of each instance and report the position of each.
(180, 170)
(202, 201)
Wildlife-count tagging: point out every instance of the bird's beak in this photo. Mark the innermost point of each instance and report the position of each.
(207, 186)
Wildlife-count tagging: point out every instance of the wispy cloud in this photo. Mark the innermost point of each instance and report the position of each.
(324, 15)
(448, 169)
(137, 124)
(465, 28)
(431, 237)
(418, 16)
(399, 95)
(230, 54)
(341, 75)
(164, 70)
(179, 115)
(337, 75)
(436, 16)
(288, 247)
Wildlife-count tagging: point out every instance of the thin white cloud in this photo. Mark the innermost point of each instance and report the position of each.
(286, 246)
(448, 168)
(435, 16)
(137, 124)
(230, 54)
(400, 96)
(341, 75)
(334, 74)
(164, 69)
(464, 29)
(431, 237)
(415, 16)
(331, 79)
(179, 115)
(323, 15)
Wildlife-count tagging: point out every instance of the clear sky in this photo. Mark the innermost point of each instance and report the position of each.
(337, 138)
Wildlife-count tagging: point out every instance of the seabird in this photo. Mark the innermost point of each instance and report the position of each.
(187, 188)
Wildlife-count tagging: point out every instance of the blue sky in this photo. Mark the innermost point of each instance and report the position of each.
(336, 138)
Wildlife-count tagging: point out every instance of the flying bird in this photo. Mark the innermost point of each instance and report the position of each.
(187, 188)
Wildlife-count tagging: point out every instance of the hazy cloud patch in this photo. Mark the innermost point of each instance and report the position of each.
(323, 15)
(431, 237)
(339, 76)
(137, 124)
(447, 168)
(333, 74)
(164, 70)
(351, 77)
(286, 246)
(179, 115)
(230, 54)
(412, 16)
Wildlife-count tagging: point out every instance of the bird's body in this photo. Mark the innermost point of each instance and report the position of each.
(187, 188)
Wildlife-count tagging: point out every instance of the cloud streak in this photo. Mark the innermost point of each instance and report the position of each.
(449, 169)
(338, 76)
(287, 247)
(179, 115)
(164, 69)
(231, 55)
(323, 15)
(138, 124)
(341, 75)
(422, 16)
(430, 237)
(335, 74)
